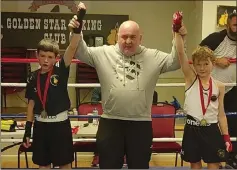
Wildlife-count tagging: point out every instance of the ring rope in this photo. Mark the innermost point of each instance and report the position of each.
(34, 60)
(35, 50)
(179, 115)
(86, 85)
(28, 60)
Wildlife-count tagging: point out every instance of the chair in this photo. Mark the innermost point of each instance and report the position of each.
(13, 72)
(87, 107)
(84, 109)
(21, 150)
(25, 150)
(85, 74)
(164, 128)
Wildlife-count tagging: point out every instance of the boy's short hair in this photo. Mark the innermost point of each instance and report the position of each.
(203, 53)
(50, 45)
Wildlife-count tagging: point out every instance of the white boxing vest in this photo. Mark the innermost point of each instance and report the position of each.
(192, 103)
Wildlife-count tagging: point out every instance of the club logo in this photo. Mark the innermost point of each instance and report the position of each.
(54, 80)
(36, 4)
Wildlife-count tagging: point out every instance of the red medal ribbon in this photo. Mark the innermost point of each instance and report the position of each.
(43, 101)
(201, 95)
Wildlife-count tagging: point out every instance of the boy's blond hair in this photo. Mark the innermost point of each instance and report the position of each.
(48, 45)
(203, 53)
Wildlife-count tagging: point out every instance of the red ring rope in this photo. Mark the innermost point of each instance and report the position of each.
(28, 60)
(34, 60)
(231, 60)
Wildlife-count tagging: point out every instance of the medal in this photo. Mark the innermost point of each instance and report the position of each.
(44, 114)
(43, 100)
(203, 122)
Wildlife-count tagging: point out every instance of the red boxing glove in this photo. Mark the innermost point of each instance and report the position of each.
(227, 140)
(177, 21)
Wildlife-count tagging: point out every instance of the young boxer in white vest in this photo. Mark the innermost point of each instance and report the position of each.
(223, 43)
(206, 132)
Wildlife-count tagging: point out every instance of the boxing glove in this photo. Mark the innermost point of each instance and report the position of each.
(177, 21)
(80, 15)
(227, 140)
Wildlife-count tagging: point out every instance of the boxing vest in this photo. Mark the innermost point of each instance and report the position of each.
(192, 103)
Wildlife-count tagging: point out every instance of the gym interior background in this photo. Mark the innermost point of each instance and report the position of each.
(154, 18)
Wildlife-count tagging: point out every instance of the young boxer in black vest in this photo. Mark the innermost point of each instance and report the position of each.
(48, 102)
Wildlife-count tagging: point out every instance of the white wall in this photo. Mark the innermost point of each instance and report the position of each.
(155, 19)
(210, 16)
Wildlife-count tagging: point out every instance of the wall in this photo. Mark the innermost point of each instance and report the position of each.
(155, 19)
(210, 16)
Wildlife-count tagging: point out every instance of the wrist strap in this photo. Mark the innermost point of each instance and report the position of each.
(176, 27)
(28, 127)
(226, 138)
(27, 134)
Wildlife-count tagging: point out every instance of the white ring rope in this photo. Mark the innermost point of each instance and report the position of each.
(94, 140)
(84, 85)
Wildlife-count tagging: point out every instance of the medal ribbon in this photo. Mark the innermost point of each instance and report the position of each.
(43, 101)
(201, 95)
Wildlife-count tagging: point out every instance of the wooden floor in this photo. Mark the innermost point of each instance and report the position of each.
(9, 157)
(160, 160)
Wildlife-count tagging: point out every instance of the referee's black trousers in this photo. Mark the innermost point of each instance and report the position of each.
(116, 138)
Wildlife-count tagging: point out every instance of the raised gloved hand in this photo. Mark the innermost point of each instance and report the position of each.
(177, 21)
(80, 15)
(76, 22)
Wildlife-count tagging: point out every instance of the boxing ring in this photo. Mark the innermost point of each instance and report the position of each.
(18, 141)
